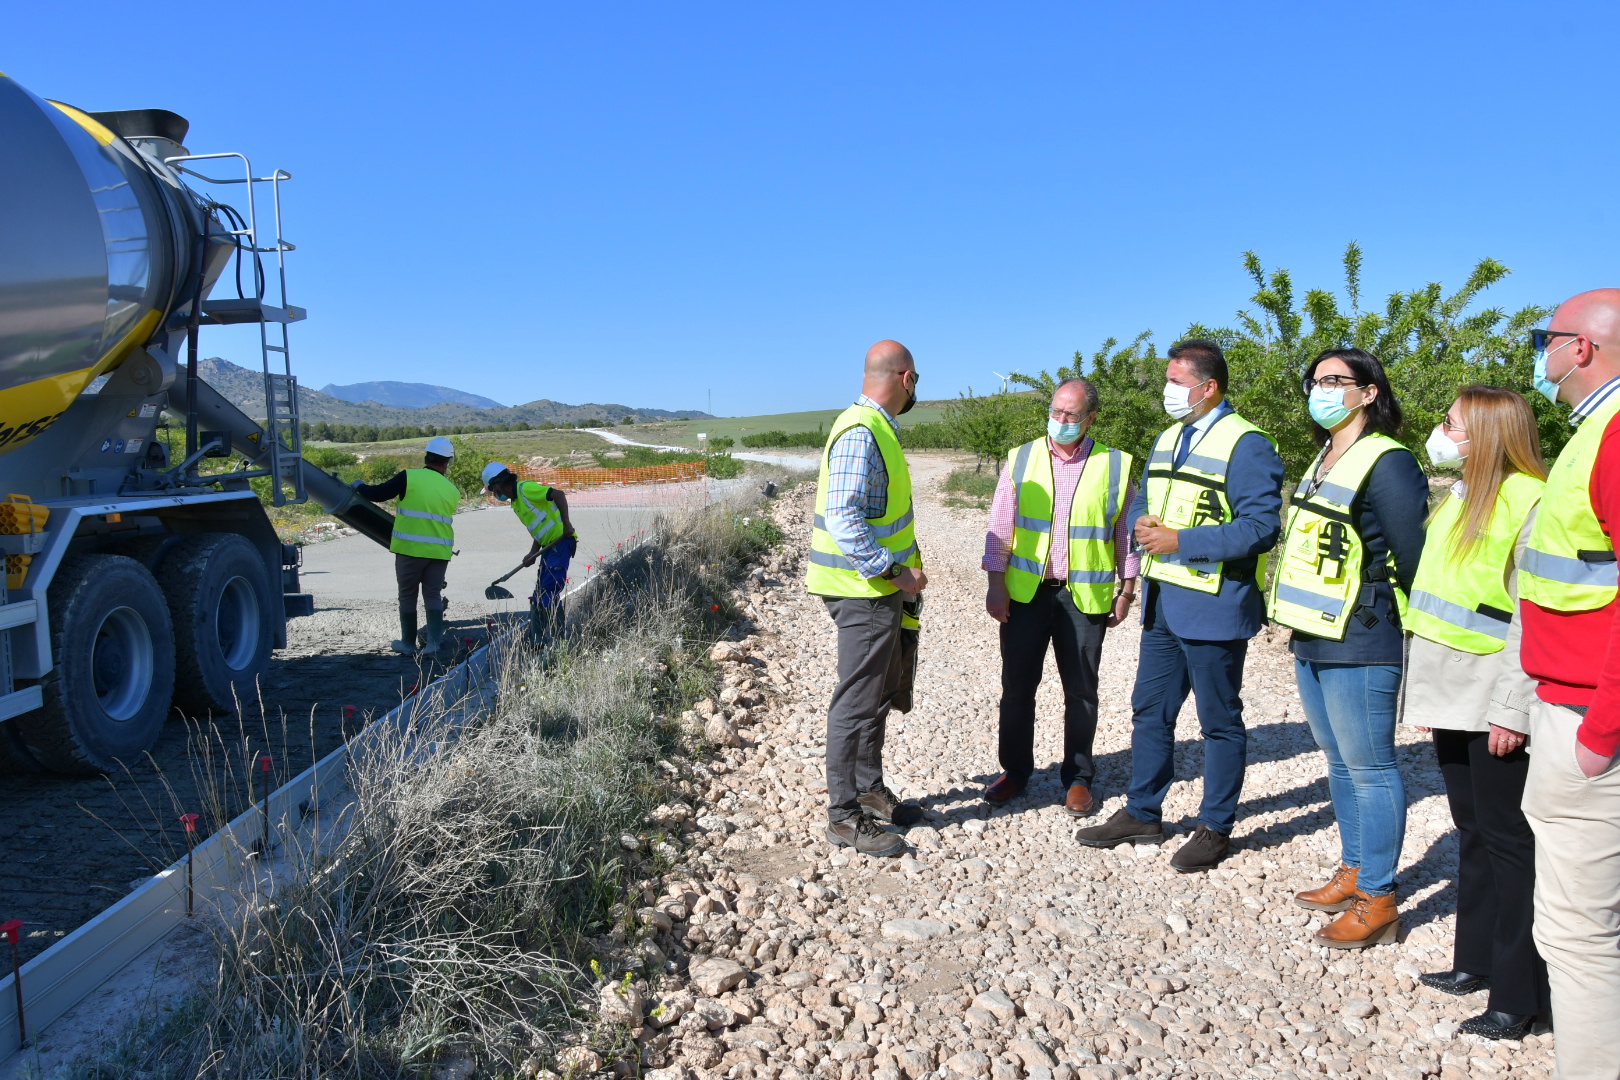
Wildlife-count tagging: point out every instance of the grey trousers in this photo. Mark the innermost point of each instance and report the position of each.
(411, 572)
(869, 673)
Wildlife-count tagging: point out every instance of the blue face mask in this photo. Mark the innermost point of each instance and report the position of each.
(1062, 433)
(1545, 386)
(1328, 408)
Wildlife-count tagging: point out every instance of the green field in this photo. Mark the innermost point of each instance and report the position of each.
(685, 432)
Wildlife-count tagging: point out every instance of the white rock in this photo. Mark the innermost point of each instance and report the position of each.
(716, 975)
(997, 1004)
(914, 929)
(720, 732)
(969, 1063)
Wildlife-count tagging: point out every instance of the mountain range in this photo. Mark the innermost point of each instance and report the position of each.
(245, 389)
(408, 395)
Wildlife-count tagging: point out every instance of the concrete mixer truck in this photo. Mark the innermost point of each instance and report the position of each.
(139, 576)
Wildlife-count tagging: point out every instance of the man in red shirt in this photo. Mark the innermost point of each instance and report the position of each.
(1571, 647)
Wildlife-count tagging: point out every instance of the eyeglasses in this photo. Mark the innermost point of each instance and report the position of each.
(1540, 338)
(1449, 426)
(1333, 382)
(915, 378)
(1066, 417)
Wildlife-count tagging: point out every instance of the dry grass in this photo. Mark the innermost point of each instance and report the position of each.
(479, 868)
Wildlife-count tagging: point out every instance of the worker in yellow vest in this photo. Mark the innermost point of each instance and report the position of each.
(1352, 543)
(424, 538)
(1061, 572)
(1203, 520)
(863, 562)
(543, 510)
(1571, 648)
(1464, 683)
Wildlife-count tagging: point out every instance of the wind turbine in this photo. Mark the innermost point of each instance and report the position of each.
(1003, 379)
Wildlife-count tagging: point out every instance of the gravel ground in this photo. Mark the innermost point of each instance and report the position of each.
(998, 947)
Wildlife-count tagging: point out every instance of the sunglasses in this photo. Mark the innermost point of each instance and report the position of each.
(1540, 338)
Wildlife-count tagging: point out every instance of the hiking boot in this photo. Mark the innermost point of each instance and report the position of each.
(406, 645)
(1003, 789)
(865, 835)
(1204, 850)
(1370, 920)
(882, 803)
(1335, 895)
(1120, 829)
(1080, 802)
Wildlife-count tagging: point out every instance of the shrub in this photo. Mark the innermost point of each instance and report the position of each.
(464, 902)
(467, 467)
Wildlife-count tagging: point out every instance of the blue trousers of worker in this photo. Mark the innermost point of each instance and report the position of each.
(1168, 667)
(545, 606)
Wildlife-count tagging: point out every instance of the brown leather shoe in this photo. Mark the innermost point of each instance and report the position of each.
(1371, 920)
(1002, 789)
(1335, 895)
(1080, 802)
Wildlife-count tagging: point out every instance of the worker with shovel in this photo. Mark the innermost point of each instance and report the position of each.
(424, 535)
(544, 512)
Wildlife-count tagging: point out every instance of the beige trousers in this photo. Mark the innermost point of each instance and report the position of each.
(1577, 924)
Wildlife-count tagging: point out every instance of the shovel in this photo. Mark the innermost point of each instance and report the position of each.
(495, 592)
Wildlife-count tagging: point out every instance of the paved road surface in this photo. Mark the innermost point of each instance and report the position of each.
(490, 541)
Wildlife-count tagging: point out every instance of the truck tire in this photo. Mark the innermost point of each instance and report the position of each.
(112, 647)
(219, 601)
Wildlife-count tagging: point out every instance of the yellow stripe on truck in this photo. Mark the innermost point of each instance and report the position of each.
(27, 410)
(95, 127)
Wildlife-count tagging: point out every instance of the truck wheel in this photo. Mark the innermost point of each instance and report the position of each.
(220, 603)
(112, 647)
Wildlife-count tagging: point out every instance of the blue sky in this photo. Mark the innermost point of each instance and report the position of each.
(641, 202)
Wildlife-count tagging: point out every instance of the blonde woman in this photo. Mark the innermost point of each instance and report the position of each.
(1463, 682)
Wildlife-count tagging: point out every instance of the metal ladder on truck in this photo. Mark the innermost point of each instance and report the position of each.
(283, 428)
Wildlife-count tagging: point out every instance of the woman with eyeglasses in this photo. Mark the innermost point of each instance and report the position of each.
(1352, 543)
(1464, 683)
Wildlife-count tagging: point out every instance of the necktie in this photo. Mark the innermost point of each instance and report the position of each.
(1186, 445)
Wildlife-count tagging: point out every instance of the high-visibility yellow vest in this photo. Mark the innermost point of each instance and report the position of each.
(424, 515)
(1320, 574)
(1099, 500)
(540, 516)
(1465, 604)
(1569, 563)
(1194, 494)
(829, 572)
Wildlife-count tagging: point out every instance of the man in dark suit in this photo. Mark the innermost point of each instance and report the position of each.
(1210, 507)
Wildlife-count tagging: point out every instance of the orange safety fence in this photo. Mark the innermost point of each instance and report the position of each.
(571, 480)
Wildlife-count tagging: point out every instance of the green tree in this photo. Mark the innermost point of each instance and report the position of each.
(1431, 343)
(994, 424)
(467, 467)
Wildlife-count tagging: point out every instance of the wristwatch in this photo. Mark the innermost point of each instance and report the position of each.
(892, 572)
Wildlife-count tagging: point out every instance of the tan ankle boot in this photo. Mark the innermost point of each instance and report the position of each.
(1371, 920)
(1334, 896)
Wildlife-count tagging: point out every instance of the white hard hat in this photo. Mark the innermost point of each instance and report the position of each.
(441, 446)
(491, 471)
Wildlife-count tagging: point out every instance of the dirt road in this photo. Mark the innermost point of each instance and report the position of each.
(1000, 948)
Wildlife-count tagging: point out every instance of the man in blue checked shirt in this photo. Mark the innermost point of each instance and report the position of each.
(863, 563)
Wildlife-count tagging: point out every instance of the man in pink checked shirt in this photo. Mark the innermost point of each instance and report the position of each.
(1062, 572)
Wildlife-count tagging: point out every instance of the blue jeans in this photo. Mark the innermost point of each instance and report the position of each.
(553, 577)
(1351, 710)
(1168, 667)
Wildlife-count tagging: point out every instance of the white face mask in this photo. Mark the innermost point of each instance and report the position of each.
(1442, 451)
(1178, 400)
